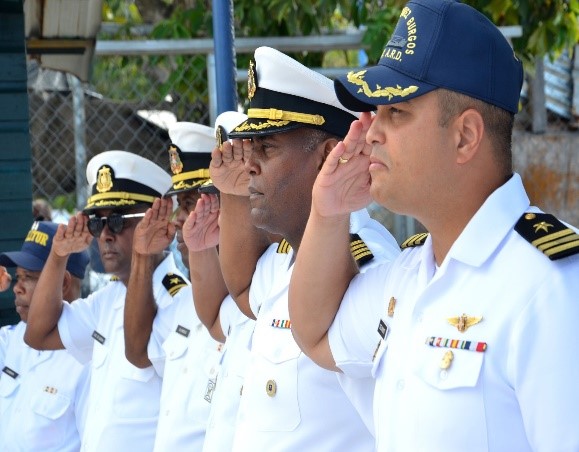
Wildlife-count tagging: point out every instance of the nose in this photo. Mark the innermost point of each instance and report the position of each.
(180, 217)
(374, 134)
(251, 163)
(18, 288)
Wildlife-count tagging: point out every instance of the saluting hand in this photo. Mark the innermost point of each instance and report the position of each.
(73, 237)
(155, 231)
(343, 184)
(201, 230)
(5, 279)
(227, 167)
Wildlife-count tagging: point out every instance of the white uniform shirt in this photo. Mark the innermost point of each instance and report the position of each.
(288, 402)
(187, 358)
(238, 329)
(522, 392)
(42, 396)
(123, 404)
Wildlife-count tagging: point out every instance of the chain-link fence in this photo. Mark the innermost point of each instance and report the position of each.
(133, 98)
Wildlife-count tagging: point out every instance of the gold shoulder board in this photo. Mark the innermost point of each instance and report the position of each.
(173, 283)
(548, 235)
(360, 250)
(283, 247)
(414, 240)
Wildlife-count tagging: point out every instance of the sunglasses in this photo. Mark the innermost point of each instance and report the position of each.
(115, 222)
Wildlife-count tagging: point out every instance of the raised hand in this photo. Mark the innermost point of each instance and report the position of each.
(201, 230)
(155, 231)
(227, 167)
(5, 279)
(343, 184)
(72, 238)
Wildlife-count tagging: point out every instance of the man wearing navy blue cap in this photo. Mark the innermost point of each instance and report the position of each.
(42, 393)
(476, 321)
(123, 403)
(265, 178)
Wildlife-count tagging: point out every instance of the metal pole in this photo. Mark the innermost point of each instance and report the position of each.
(79, 139)
(225, 64)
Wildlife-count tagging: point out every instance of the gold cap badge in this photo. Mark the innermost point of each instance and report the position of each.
(174, 160)
(104, 179)
(251, 82)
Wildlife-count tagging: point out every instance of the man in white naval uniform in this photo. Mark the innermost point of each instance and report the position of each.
(483, 309)
(179, 346)
(221, 316)
(123, 405)
(294, 119)
(42, 393)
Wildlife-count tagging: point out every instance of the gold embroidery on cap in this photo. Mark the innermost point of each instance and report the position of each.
(104, 179)
(276, 115)
(263, 125)
(251, 82)
(357, 78)
(174, 160)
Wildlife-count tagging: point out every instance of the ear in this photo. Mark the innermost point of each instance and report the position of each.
(328, 145)
(470, 127)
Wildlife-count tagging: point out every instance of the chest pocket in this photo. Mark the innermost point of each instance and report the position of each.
(8, 390)
(462, 371)
(271, 387)
(175, 346)
(50, 405)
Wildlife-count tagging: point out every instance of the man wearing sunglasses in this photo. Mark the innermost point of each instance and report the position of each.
(42, 394)
(123, 403)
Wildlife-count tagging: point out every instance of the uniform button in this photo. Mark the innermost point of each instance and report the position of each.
(400, 385)
(271, 388)
(185, 370)
(167, 413)
(443, 374)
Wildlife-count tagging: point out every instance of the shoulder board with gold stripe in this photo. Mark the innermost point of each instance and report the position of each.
(548, 235)
(414, 240)
(360, 250)
(284, 247)
(115, 278)
(173, 283)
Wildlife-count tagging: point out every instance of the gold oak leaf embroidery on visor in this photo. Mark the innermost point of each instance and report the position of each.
(357, 78)
(263, 125)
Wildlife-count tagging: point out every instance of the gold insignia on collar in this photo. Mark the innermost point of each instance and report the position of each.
(251, 82)
(542, 226)
(463, 322)
(391, 306)
(174, 160)
(446, 360)
(104, 179)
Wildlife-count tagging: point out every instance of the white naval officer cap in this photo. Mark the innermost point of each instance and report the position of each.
(121, 179)
(284, 95)
(225, 123)
(189, 155)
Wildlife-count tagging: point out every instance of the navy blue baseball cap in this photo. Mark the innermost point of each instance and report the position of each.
(36, 247)
(438, 44)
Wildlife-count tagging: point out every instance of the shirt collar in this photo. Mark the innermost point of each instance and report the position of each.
(491, 223)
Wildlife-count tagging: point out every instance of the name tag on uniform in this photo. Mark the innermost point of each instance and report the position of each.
(382, 329)
(10, 372)
(183, 331)
(98, 337)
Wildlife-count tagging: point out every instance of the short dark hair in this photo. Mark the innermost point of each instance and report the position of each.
(313, 137)
(498, 122)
